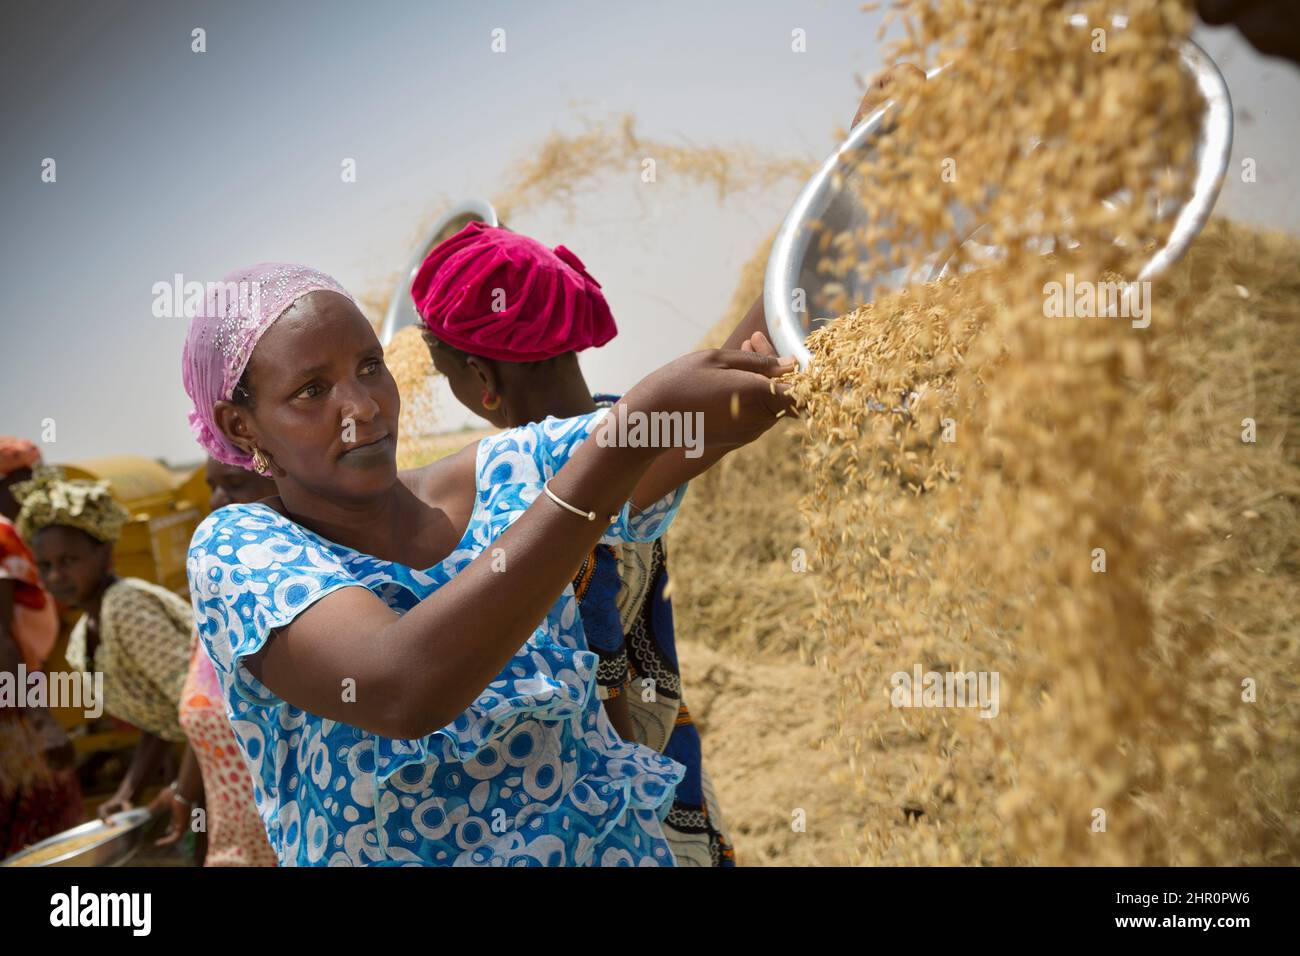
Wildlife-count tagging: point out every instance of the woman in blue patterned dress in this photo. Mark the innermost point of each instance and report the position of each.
(402, 657)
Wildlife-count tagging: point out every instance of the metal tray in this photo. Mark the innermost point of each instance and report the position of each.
(826, 200)
(401, 310)
(112, 850)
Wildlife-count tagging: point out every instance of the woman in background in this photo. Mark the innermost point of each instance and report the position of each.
(499, 314)
(498, 319)
(213, 773)
(136, 634)
(39, 793)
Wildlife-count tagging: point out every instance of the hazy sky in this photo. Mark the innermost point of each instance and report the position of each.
(170, 161)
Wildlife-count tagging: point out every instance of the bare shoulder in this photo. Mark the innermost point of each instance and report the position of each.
(451, 476)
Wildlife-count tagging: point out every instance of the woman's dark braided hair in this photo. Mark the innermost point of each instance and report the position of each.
(435, 343)
(462, 357)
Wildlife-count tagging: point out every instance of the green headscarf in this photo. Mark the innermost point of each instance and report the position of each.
(48, 498)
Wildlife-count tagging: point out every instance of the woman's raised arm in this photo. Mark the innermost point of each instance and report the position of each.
(415, 673)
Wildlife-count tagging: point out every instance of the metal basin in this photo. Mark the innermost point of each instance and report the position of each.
(112, 849)
(401, 311)
(829, 199)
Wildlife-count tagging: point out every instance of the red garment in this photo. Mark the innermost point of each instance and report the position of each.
(494, 293)
(36, 623)
(36, 801)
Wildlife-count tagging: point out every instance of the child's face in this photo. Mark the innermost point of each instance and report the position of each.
(231, 485)
(71, 563)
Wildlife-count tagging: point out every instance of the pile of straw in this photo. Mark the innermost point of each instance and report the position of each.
(1066, 503)
(565, 162)
(943, 786)
(964, 532)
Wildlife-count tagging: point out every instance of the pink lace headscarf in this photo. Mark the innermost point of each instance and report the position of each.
(236, 313)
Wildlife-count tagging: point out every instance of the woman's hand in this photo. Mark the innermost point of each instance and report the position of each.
(120, 801)
(758, 342)
(1270, 26)
(737, 398)
(732, 390)
(179, 799)
(169, 803)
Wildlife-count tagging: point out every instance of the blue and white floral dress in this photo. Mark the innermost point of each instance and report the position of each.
(533, 773)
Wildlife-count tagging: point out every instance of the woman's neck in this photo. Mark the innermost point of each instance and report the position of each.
(533, 397)
(368, 526)
(92, 606)
(398, 526)
(92, 609)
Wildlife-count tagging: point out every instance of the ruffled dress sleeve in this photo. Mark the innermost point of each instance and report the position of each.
(252, 570)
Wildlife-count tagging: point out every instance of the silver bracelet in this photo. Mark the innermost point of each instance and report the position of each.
(589, 515)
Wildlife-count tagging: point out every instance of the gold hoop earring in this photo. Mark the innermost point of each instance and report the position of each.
(492, 405)
(260, 464)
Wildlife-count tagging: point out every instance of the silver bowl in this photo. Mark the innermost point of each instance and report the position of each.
(401, 310)
(112, 850)
(826, 200)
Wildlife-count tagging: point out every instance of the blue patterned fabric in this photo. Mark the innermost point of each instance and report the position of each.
(531, 774)
(649, 649)
(599, 604)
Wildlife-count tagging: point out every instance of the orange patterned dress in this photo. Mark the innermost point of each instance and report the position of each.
(235, 833)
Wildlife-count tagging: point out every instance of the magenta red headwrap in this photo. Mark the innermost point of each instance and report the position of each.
(236, 313)
(492, 292)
